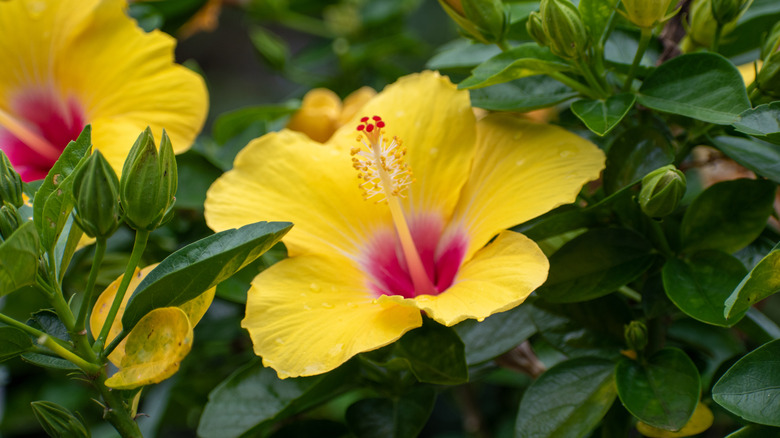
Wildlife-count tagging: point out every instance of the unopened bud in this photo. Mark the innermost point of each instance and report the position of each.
(646, 14)
(9, 220)
(661, 191)
(148, 183)
(10, 183)
(535, 28)
(702, 26)
(727, 11)
(484, 20)
(58, 421)
(565, 31)
(96, 191)
(771, 46)
(636, 335)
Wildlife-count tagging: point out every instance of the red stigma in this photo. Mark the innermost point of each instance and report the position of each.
(364, 119)
(369, 128)
(361, 127)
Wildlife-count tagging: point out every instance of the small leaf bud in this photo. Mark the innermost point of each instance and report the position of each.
(9, 220)
(565, 31)
(661, 191)
(636, 335)
(96, 191)
(149, 182)
(535, 28)
(10, 183)
(727, 11)
(646, 14)
(58, 421)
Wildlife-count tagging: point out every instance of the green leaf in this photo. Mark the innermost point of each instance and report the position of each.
(400, 417)
(233, 123)
(495, 335)
(13, 342)
(522, 95)
(751, 387)
(762, 281)
(761, 157)
(51, 362)
(19, 254)
(196, 174)
(306, 427)
(663, 392)
(700, 285)
(461, 54)
(704, 86)
(601, 116)
(589, 388)
(48, 322)
(435, 354)
(635, 153)
(270, 46)
(54, 199)
(199, 266)
(714, 345)
(756, 431)
(727, 216)
(524, 60)
(596, 263)
(596, 15)
(762, 122)
(253, 397)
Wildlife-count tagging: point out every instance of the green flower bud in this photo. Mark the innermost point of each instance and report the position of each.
(57, 421)
(661, 191)
(10, 183)
(646, 13)
(9, 220)
(772, 44)
(148, 183)
(702, 26)
(484, 20)
(767, 83)
(566, 33)
(535, 28)
(96, 191)
(636, 335)
(727, 11)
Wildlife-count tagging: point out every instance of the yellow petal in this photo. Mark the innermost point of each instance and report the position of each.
(521, 171)
(154, 349)
(700, 421)
(286, 176)
(498, 278)
(748, 71)
(318, 115)
(309, 314)
(435, 122)
(354, 103)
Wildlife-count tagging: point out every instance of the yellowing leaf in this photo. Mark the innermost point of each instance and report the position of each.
(154, 349)
(700, 421)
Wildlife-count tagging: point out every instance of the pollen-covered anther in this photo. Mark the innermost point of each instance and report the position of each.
(380, 163)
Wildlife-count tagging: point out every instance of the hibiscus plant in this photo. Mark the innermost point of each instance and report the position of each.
(559, 223)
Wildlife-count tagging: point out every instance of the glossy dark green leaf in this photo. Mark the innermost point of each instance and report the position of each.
(756, 431)
(589, 388)
(51, 362)
(663, 392)
(54, 200)
(596, 263)
(312, 428)
(752, 29)
(699, 286)
(751, 387)
(596, 15)
(233, 123)
(199, 266)
(524, 60)
(591, 328)
(13, 342)
(762, 122)
(759, 156)
(714, 345)
(400, 417)
(48, 322)
(461, 54)
(635, 153)
(253, 397)
(435, 353)
(495, 335)
(762, 281)
(601, 116)
(676, 87)
(727, 216)
(195, 175)
(19, 254)
(522, 95)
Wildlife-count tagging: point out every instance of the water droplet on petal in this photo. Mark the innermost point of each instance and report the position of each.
(306, 307)
(35, 7)
(480, 319)
(433, 151)
(352, 305)
(519, 162)
(327, 305)
(279, 341)
(314, 287)
(565, 153)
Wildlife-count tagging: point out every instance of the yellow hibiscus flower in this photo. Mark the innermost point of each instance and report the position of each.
(67, 63)
(361, 271)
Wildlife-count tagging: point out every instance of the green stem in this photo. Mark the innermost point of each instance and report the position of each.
(503, 46)
(74, 236)
(595, 84)
(113, 344)
(644, 41)
(117, 412)
(573, 84)
(141, 237)
(57, 300)
(630, 293)
(86, 302)
(716, 39)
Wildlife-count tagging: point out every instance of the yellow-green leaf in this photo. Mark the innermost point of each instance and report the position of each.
(700, 421)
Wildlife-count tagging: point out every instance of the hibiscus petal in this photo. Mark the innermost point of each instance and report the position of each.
(521, 170)
(286, 176)
(437, 126)
(309, 314)
(499, 277)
